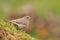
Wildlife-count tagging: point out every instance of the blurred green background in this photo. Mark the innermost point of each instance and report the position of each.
(43, 7)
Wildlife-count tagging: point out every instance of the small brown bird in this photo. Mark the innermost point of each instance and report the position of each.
(21, 22)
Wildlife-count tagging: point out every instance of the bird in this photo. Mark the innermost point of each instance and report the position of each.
(21, 22)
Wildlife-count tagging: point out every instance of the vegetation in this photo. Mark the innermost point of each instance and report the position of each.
(12, 29)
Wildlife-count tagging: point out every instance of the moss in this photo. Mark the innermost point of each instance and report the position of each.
(11, 28)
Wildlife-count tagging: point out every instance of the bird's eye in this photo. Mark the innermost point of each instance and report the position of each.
(27, 17)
